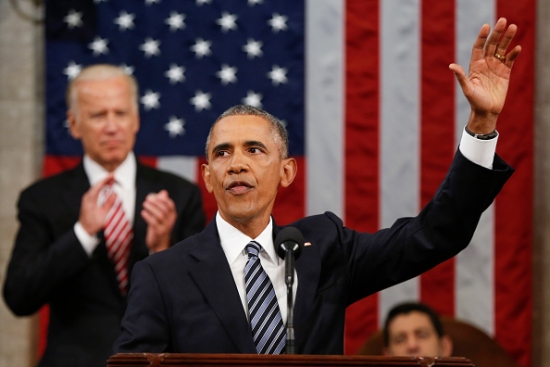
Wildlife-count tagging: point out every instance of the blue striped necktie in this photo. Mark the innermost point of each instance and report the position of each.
(265, 317)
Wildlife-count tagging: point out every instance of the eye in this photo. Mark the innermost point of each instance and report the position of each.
(221, 153)
(255, 150)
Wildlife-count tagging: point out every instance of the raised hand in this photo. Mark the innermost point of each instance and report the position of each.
(159, 211)
(486, 85)
(92, 212)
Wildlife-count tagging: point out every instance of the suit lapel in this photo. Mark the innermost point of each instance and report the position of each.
(215, 280)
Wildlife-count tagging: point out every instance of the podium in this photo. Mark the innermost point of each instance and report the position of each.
(180, 359)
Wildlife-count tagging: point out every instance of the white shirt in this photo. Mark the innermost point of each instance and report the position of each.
(234, 241)
(124, 186)
(233, 244)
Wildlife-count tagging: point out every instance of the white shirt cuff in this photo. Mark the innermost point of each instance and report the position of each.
(481, 152)
(88, 242)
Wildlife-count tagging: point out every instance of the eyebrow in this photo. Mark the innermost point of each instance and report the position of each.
(249, 143)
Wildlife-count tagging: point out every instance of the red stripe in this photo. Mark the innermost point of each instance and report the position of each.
(361, 146)
(437, 126)
(513, 207)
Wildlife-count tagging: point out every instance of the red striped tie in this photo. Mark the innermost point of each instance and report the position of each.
(118, 236)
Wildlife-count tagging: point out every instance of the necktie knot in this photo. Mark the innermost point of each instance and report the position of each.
(253, 249)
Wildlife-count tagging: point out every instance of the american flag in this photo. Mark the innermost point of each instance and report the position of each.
(373, 113)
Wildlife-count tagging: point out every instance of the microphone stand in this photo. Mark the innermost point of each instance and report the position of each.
(289, 280)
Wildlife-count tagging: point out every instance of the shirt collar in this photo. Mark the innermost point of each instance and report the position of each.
(234, 241)
(125, 174)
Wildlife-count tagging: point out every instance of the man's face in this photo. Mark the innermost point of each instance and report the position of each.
(245, 168)
(413, 334)
(105, 120)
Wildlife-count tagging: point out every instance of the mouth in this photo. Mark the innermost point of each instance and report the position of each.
(238, 187)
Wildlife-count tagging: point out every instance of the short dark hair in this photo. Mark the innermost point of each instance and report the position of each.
(405, 309)
(280, 133)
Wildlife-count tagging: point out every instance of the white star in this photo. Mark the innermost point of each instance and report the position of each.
(99, 1)
(175, 127)
(201, 48)
(253, 48)
(149, 2)
(72, 70)
(99, 46)
(127, 69)
(125, 21)
(277, 75)
(175, 21)
(227, 21)
(175, 73)
(253, 99)
(150, 47)
(200, 2)
(254, 2)
(201, 101)
(150, 100)
(73, 19)
(278, 22)
(227, 74)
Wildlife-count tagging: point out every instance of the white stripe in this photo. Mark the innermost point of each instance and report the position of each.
(180, 165)
(324, 123)
(475, 265)
(399, 127)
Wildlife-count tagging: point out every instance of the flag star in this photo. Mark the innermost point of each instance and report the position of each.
(149, 2)
(277, 75)
(201, 2)
(227, 74)
(253, 48)
(72, 70)
(227, 21)
(175, 21)
(127, 69)
(253, 99)
(278, 22)
(99, 46)
(73, 19)
(125, 21)
(175, 126)
(201, 48)
(150, 47)
(175, 73)
(254, 2)
(201, 101)
(99, 1)
(150, 100)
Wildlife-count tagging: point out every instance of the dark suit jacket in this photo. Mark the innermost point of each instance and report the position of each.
(184, 300)
(49, 265)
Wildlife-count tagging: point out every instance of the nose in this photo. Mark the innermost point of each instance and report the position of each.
(412, 346)
(238, 162)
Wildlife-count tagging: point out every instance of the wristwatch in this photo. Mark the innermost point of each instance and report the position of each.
(489, 136)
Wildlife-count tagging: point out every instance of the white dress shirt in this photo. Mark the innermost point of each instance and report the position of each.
(124, 186)
(234, 241)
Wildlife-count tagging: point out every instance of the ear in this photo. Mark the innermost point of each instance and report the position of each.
(288, 171)
(446, 346)
(73, 126)
(205, 168)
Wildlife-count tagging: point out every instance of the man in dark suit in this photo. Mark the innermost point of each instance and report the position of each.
(60, 256)
(196, 297)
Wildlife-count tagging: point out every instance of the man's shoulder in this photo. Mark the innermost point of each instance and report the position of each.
(54, 183)
(158, 175)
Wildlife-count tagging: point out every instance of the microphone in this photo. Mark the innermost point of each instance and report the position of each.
(288, 245)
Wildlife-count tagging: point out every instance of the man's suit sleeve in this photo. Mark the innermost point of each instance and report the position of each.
(145, 326)
(41, 259)
(191, 218)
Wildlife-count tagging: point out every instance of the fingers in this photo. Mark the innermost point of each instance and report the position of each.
(506, 39)
(461, 77)
(494, 37)
(159, 209)
(478, 50)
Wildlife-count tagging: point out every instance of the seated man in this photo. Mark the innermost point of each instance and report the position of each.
(414, 329)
